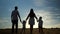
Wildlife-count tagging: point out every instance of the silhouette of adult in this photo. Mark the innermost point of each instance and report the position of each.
(40, 25)
(31, 19)
(14, 19)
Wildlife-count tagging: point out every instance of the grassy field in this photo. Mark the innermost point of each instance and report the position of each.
(35, 31)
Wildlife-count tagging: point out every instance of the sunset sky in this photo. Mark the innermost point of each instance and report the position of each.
(48, 9)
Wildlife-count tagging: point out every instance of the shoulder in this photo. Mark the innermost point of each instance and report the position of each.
(34, 14)
(42, 20)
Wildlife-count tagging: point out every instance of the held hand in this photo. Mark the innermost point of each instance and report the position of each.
(20, 20)
(26, 19)
(37, 20)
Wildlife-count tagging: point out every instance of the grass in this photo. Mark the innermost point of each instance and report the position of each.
(35, 31)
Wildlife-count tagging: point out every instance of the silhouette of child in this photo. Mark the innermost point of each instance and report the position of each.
(40, 25)
(24, 26)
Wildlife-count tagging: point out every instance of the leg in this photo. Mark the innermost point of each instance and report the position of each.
(39, 29)
(24, 29)
(21, 31)
(12, 28)
(16, 28)
(31, 28)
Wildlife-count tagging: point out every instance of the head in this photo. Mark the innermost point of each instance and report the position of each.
(16, 7)
(40, 18)
(24, 21)
(31, 11)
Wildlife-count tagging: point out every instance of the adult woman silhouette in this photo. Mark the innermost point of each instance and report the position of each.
(31, 19)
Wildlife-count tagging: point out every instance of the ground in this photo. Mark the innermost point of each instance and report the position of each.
(35, 31)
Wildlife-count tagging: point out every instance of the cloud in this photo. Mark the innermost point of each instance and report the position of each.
(57, 25)
(4, 20)
(39, 2)
(47, 3)
(5, 23)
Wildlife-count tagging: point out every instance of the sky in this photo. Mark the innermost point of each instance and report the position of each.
(48, 9)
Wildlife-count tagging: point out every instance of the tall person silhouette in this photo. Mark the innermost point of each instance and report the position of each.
(14, 19)
(31, 19)
(40, 25)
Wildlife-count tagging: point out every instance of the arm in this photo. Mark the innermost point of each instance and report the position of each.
(19, 16)
(27, 17)
(36, 17)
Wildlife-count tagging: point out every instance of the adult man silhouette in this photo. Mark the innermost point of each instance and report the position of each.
(31, 19)
(14, 19)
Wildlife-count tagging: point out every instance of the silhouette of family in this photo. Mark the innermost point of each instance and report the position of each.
(14, 19)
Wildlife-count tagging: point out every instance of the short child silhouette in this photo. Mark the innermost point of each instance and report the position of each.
(24, 26)
(40, 25)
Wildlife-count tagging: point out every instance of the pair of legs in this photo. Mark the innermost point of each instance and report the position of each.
(41, 30)
(14, 23)
(23, 29)
(31, 29)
